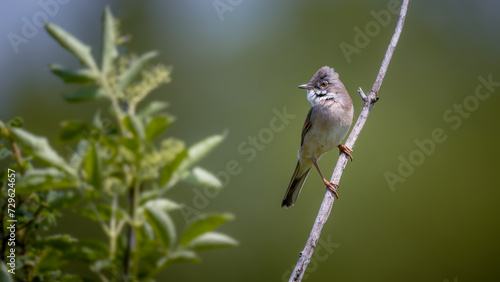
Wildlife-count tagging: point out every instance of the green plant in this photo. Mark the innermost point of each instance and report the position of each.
(117, 177)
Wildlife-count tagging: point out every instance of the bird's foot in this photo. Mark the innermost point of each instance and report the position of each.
(332, 187)
(346, 150)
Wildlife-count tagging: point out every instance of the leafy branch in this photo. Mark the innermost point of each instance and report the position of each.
(117, 177)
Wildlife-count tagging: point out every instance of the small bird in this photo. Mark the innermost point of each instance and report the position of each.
(326, 125)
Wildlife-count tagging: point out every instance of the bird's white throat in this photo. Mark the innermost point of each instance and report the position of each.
(315, 96)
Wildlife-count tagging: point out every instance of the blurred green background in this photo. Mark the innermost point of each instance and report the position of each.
(233, 67)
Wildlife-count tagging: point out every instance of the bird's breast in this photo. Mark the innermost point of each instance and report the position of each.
(330, 123)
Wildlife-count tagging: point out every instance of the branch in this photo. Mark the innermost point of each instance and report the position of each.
(130, 231)
(327, 204)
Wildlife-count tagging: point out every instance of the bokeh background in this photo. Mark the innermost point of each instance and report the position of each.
(233, 67)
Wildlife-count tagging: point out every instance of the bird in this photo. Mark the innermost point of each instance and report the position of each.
(326, 125)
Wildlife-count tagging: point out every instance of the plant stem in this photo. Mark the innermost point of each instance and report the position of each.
(101, 221)
(132, 198)
(112, 226)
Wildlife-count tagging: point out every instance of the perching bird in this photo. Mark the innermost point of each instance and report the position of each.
(325, 127)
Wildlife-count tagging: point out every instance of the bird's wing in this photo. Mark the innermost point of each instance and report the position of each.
(307, 125)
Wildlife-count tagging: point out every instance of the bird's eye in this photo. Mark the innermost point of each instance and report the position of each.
(324, 83)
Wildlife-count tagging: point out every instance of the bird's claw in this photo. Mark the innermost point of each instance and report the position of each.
(346, 150)
(332, 187)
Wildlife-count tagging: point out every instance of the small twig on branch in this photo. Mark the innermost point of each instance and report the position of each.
(369, 101)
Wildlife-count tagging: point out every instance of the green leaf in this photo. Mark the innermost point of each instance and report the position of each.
(59, 242)
(102, 264)
(146, 258)
(103, 211)
(134, 70)
(85, 95)
(39, 148)
(96, 121)
(199, 176)
(162, 224)
(129, 143)
(134, 125)
(108, 50)
(156, 127)
(93, 249)
(4, 273)
(199, 150)
(203, 224)
(145, 232)
(152, 109)
(162, 204)
(43, 180)
(16, 122)
(77, 156)
(182, 256)
(62, 199)
(72, 44)
(73, 76)
(93, 167)
(169, 169)
(71, 131)
(49, 260)
(211, 240)
(4, 153)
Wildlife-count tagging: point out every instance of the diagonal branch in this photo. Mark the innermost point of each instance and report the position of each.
(327, 204)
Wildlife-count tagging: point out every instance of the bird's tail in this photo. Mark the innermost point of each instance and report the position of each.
(293, 191)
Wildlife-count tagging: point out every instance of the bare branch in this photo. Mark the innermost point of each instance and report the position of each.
(327, 204)
(362, 94)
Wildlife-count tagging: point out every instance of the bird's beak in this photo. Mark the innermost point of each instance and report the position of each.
(305, 86)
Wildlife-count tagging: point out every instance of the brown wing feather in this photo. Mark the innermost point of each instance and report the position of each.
(301, 173)
(307, 126)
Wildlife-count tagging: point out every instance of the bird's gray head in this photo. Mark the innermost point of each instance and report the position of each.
(324, 85)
